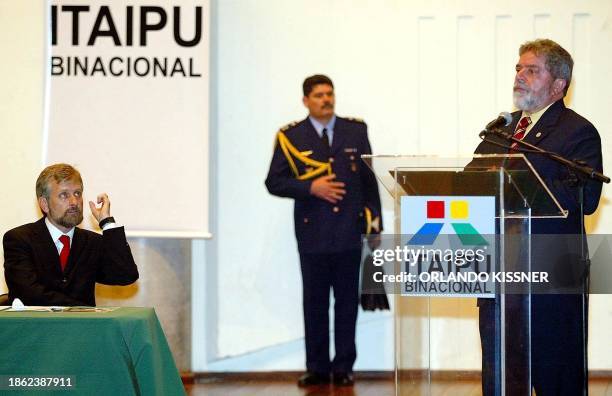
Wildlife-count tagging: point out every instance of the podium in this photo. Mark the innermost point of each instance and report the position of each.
(462, 216)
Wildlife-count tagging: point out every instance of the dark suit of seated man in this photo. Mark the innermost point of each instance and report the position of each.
(51, 261)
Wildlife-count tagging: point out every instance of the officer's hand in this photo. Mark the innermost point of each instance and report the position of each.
(103, 211)
(327, 189)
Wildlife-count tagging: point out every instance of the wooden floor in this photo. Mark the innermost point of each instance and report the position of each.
(365, 387)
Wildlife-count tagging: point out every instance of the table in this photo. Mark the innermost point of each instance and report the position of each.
(123, 352)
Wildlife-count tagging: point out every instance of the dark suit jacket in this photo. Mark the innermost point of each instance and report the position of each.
(33, 273)
(556, 327)
(568, 134)
(322, 227)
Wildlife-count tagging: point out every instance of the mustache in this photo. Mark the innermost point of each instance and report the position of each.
(520, 85)
(327, 106)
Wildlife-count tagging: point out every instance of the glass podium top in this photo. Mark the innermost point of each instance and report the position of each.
(508, 176)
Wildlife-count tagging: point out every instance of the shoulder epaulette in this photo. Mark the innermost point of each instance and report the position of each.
(355, 119)
(289, 126)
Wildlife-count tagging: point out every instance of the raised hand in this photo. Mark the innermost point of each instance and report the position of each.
(103, 211)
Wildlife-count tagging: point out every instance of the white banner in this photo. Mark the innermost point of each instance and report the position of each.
(128, 105)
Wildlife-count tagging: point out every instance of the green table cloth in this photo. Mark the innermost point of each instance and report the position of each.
(123, 352)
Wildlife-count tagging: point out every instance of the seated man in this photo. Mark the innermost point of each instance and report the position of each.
(51, 261)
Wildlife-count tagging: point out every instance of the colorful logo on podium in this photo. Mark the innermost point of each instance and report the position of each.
(450, 211)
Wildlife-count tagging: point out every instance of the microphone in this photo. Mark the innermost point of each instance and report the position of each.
(503, 119)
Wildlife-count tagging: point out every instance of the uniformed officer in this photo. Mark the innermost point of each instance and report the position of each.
(317, 162)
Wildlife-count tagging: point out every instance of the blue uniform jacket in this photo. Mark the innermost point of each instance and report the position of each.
(322, 227)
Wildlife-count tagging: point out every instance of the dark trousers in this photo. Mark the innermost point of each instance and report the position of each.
(557, 352)
(340, 272)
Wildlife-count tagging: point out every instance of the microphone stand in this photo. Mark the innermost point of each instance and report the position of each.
(577, 166)
(580, 172)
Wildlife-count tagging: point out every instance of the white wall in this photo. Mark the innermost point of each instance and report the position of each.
(22, 26)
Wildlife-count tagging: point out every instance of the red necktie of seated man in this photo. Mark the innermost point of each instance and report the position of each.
(520, 131)
(65, 252)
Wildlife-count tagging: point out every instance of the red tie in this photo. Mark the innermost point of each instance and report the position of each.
(521, 128)
(65, 240)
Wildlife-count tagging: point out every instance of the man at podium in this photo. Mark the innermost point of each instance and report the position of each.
(317, 162)
(558, 324)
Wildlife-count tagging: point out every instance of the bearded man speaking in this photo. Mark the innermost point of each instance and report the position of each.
(51, 261)
(558, 325)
